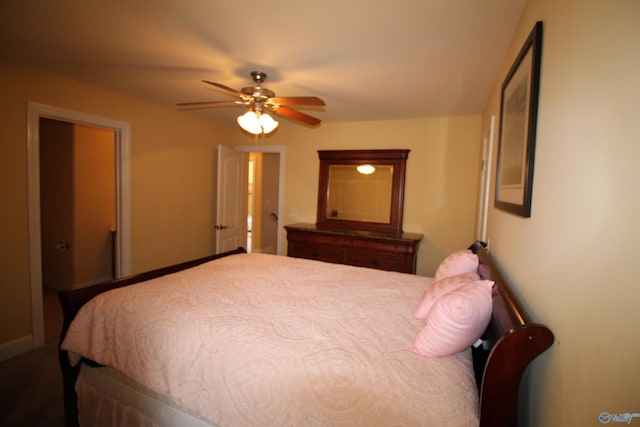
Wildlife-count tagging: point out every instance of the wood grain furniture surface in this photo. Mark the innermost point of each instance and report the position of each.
(359, 248)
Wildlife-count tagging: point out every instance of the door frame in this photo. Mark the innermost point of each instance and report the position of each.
(122, 132)
(281, 150)
(485, 182)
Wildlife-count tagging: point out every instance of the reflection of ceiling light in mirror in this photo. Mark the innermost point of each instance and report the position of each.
(257, 124)
(366, 169)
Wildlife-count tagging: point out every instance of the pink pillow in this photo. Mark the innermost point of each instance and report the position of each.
(456, 321)
(459, 262)
(440, 288)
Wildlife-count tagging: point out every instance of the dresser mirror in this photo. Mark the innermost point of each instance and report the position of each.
(362, 190)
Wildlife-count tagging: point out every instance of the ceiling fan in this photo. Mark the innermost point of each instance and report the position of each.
(260, 101)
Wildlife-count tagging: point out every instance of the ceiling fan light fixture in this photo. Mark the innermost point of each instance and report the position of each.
(257, 124)
(267, 123)
(249, 122)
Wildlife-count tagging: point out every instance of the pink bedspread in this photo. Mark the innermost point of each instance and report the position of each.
(256, 340)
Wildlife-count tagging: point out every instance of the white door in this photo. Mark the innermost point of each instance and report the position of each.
(230, 225)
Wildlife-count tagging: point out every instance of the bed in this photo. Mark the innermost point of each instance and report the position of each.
(239, 339)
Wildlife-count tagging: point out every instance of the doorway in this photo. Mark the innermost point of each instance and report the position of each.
(120, 238)
(273, 183)
(77, 210)
(263, 202)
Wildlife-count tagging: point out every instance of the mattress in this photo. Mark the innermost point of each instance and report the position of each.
(258, 339)
(108, 398)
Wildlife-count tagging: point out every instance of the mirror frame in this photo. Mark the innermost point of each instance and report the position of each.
(395, 158)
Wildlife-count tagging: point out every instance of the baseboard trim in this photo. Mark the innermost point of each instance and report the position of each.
(15, 347)
(91, 282)
(64, 286)
(267, 250)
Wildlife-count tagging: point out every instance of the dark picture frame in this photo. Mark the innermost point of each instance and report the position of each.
(518, 120)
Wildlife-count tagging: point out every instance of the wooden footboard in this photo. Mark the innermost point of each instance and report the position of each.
(72, 301)
(512, 340)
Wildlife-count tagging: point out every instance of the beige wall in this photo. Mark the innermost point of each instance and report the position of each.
(94, 209)
(574, 260)
(172, 181)
(442, 174)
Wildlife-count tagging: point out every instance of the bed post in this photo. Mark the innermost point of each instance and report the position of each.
(503, 372)
(510, 343)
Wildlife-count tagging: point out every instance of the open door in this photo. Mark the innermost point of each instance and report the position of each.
(231, 220)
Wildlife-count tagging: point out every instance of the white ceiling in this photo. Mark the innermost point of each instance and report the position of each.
(367, 59)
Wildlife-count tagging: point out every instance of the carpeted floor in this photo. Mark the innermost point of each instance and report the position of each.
(31, 389)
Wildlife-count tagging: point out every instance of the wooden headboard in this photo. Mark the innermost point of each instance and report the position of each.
(512, 340)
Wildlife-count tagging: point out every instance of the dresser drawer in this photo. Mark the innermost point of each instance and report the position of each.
(314, 238)
(319, 252)
(392, 247)
(378, 259)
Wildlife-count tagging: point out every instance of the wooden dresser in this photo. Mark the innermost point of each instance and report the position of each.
(359, 248)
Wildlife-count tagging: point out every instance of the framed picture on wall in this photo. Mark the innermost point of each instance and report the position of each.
(518, 118)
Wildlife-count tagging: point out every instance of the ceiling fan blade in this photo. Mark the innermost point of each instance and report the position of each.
(297, 100)
(226, 88)
(296, 115)
(210, 103)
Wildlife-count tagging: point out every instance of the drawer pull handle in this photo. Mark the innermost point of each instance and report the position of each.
(375, 261)
(314, 253)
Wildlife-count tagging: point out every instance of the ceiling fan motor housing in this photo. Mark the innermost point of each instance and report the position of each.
(258, 92)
